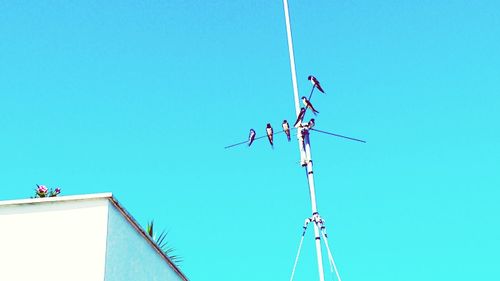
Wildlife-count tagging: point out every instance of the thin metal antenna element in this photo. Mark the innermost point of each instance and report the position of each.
(257, 138)
(311, 94)
(330, 256)
(337, 135)
(310, 129)
(300, 247)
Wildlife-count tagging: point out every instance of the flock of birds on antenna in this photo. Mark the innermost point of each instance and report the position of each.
(298, 122)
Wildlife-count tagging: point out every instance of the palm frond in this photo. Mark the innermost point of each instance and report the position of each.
(149, 228)
(162, 243)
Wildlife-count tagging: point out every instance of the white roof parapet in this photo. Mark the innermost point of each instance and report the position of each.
(108, 195)
(99, 196)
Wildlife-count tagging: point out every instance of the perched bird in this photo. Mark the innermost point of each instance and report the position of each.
(311, 123)
(269, 131)
(308, 104)
(251, 137)
(300, 117)
(286, 129)
(315, 83)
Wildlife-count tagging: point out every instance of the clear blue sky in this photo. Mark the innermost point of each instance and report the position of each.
(139, 98)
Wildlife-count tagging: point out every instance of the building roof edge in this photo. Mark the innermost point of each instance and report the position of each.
(106, 195)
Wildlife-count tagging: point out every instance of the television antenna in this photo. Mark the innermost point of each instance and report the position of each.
(303, 131)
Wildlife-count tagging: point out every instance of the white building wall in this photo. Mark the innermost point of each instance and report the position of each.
(129, 255)
(53, 240)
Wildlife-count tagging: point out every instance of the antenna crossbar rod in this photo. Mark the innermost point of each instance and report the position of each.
(337, 135)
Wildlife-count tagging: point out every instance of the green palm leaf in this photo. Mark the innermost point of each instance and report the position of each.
(162, 243)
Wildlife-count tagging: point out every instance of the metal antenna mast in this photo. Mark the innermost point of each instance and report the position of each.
(305, 156)
(292, 58)
(303, 131)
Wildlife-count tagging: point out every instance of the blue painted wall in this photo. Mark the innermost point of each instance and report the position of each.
(129, 256)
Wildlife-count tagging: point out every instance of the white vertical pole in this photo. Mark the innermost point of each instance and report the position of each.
(310, 179)
(309, 169)
(292, 59)
(303, 138)
(294, 77)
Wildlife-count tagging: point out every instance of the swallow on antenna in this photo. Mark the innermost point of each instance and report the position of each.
(300, 117)
(286, 129)
(309, 105)
(269, 131)
(251, 137)
(311, 123)
(315, 83)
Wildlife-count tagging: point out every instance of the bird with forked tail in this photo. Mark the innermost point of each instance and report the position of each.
(309, 105)
(315, 83)
(300, 117)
